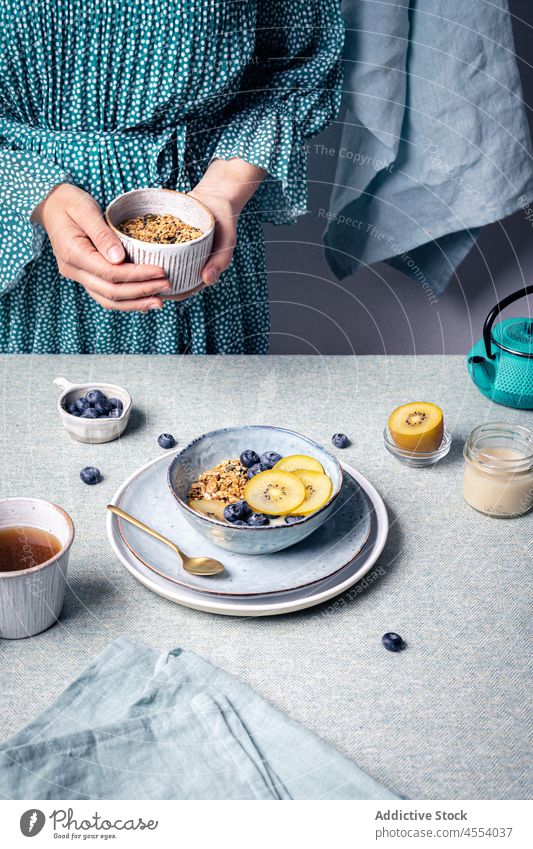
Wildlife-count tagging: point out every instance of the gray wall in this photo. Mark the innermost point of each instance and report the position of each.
(373, 313)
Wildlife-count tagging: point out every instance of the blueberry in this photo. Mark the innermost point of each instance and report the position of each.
(81, 404)
(90, 413)
(392, 641)
(166, 440)
(269, 459)
(246, 509)
(73, 410)
(102, 407)
(292, 519)
(340, 440)
(114, 413)
(257, 520)
(240, 522)
(115, 403)
(90, 475)
(94, 395)
(254, 470)
(232, 513)
(238, 510)
(249, 458)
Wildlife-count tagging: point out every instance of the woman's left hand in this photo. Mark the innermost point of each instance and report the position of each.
(225, 188)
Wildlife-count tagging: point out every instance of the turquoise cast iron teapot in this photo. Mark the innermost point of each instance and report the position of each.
(501, 364)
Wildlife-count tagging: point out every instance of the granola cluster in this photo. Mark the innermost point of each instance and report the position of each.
(161, 229)
(224, 482)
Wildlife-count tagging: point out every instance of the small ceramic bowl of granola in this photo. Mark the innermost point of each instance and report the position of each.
(166, 228)
(216, 476)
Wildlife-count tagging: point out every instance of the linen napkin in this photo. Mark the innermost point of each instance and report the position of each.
(435, 141)
(140, 724)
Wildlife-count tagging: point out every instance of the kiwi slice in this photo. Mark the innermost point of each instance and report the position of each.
(298, 461)
(417, 427)
(209, 507)
(274, 493)
(318, 489)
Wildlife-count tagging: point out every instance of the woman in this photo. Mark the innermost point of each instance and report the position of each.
(212, 97)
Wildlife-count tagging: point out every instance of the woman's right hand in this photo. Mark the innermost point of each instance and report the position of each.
(88, 251)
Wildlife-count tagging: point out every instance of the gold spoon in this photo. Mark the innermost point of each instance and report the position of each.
(194, 565)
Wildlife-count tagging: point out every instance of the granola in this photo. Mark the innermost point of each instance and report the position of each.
(224, 483)
(160, 229)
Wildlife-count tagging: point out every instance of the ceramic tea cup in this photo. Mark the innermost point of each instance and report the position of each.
(31, 599)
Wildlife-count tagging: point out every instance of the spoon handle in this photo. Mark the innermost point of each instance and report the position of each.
(138, 524)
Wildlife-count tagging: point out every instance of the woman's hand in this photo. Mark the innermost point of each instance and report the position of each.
(88, 252)
(225, 188)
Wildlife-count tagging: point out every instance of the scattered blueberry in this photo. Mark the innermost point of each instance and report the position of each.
(340, 440)
(238, 510)
(257, 520)
(73, 410)
(392, 641)
(269, 459)
(254, 470)
(240, 522)
(90, 475)
(81, 404)
(94, 395)
(249, 458)
(90, 413)
(165, 440)
(115, 403)
(292, 519)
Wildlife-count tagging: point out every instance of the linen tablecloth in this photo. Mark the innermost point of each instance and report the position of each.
(449, 717)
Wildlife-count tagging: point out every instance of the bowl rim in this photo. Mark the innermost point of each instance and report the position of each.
(159, 245)
(93, 385)
(51, 560)
(218, 522)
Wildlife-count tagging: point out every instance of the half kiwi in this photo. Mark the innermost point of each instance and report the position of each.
(417, 427)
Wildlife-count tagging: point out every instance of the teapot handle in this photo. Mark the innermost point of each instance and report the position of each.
(495, 311)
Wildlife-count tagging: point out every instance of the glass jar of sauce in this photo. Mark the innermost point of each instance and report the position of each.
(498, 472)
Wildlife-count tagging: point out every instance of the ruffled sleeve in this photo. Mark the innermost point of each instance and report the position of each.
(25, 180)
(290, 91)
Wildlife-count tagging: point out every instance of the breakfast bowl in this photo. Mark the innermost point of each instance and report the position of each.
(183, 261)
(211, 449)
(93, 430)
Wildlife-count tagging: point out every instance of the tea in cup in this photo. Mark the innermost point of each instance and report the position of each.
(35, 541)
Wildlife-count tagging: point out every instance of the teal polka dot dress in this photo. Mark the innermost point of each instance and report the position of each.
(113, 95)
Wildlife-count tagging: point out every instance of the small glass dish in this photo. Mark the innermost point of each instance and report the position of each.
(418, 460)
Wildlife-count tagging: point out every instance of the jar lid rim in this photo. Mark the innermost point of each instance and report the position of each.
(480, 454)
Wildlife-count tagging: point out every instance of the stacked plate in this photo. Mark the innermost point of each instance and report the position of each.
(320, 567)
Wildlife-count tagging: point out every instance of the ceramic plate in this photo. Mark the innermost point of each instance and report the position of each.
(316, 569)
(323, 553)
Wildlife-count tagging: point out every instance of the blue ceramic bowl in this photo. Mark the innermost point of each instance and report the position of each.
(212, 448)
